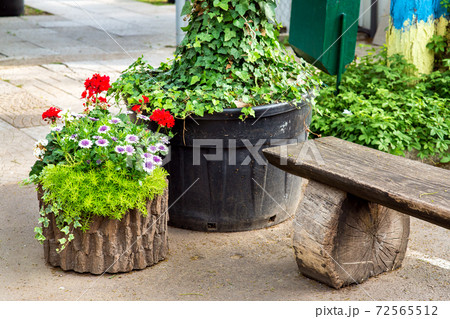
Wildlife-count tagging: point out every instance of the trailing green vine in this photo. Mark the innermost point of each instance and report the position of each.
(229, 58)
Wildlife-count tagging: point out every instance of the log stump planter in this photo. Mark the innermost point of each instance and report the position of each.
(112, 246)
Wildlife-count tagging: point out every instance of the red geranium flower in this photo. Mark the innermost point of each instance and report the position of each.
(146, 99)
(163, 118)
(95, 85)
(136, 108)
(99, 99)
(51, 114)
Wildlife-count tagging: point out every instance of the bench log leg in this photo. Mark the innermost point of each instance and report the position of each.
(340, 239)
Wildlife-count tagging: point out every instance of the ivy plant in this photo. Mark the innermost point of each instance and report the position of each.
(229, 58)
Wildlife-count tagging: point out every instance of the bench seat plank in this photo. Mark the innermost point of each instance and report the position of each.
(408, 186)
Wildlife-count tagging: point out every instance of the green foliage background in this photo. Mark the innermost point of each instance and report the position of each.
(383, 106)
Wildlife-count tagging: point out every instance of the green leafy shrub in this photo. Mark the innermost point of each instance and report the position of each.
(383, 106)
(230, 57)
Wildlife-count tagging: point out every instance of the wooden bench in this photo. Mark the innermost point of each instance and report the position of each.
(353, 221)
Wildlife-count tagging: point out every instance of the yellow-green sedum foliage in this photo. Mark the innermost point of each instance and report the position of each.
(106, 192)
(74, 196)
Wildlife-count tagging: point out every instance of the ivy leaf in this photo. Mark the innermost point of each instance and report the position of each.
(235, 53)
(187, 8)
(229, 34)
(222, 4)
(194, 79)
(269, 10)
(242, 8)
(65, 230)
(239, 23)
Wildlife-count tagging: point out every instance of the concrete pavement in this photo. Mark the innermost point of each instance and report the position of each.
(44, 61)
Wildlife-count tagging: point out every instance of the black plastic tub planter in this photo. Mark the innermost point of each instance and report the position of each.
(219, 179)
(10, 8)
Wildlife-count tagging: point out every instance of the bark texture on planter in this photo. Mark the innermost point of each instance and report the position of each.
(112, 246)
(341, 239)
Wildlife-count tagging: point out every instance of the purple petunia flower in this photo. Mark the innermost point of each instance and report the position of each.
(93, 119)
(148, 166)
(103, 129)
(164, 140)
(129, 149)
(73, 137)
(120, 149)
(85, 143)
(161, 147)
(102, 142)
(98, 162)
(152, 149)
(143, 117)
(131, 139)
(96, 137)
(56, 129)
(147, 156)
(114, 138)
(114, 120)
(157, 160)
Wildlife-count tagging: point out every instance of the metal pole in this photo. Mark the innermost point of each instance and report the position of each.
(179, 21)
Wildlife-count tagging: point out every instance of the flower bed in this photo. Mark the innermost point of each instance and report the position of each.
(102, 188)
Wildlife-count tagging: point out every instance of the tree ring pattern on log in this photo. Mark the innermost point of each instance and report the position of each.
(112, 246)
(371, 239)
(341, 239)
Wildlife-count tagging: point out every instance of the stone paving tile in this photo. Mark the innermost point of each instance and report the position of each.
(6, 87)
(16, 154)
(36, 132)
(85, 30)
(124, 18)
(57, 43)
(60, 24)
(79, 72)
(20, 49)
(37, 19)
(93, 38)
(12, 24)
(29, 78)
(21, 109)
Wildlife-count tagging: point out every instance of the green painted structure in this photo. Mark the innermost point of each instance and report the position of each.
(323, 32)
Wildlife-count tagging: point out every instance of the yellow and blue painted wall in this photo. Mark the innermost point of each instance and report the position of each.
(413, 24)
